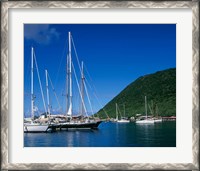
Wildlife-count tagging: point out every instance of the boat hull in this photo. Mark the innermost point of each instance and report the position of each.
(157, 120)
(85, 125)
(123, 121)
(145, 122)
(37, 128)
(34, 128)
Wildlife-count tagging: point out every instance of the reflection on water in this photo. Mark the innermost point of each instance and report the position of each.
(145, 133)
(108, 135)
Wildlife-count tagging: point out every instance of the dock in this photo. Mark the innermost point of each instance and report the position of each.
(167, 118)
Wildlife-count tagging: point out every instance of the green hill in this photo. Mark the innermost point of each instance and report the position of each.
(160, 89)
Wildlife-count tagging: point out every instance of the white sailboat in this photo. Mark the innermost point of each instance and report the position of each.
(123, 119)
(84, 122)
(117, 118)
(146, 120)
(35, 126)
(157, 118)
(154, 111)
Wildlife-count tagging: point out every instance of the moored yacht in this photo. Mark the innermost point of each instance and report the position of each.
(32, 126)
(146, 120)
(122, 119)
(84, 122)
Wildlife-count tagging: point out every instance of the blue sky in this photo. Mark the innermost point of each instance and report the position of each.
(114, 55)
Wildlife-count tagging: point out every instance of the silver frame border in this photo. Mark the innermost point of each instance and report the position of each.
(5, 6)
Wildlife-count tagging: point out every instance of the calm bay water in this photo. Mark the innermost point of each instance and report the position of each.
(109, 135)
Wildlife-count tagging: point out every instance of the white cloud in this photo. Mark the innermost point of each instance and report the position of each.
(40, 33)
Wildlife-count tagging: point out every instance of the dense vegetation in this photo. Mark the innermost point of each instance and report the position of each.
(160, 90)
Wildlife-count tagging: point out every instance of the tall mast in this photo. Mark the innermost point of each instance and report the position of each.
(69, 113)
(40, 83)
(82, 89)
(146, 106)
(124, 110)
(47, 87)
(32, 95)
(116, 112)
(67, 86)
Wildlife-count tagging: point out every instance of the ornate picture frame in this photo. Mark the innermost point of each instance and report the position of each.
(6, 5)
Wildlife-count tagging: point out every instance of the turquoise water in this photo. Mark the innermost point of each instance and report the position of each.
(109, 135)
